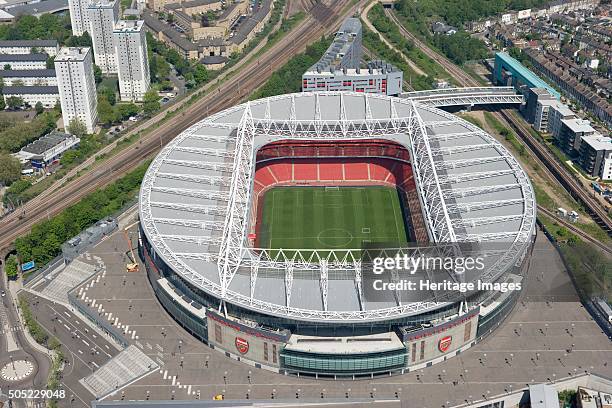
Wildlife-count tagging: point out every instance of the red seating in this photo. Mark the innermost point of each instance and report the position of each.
(305, 170)
(356, 171)
(281, 170)
(374, 161)
(330, 170)
(264, 176)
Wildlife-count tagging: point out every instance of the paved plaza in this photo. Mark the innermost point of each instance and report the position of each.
(548, 336)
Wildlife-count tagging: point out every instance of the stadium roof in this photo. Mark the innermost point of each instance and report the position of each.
(196, 195)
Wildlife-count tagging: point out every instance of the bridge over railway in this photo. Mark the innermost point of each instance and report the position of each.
(466, 96)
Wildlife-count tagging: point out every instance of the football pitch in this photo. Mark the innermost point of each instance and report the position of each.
(330, 217)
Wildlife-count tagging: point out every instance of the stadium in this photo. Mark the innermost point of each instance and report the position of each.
(253, 222)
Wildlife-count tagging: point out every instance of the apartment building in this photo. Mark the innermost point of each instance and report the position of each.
(132, 59)
(103, 15)
(77, 87)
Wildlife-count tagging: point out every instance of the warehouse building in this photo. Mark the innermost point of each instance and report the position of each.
(48, 149)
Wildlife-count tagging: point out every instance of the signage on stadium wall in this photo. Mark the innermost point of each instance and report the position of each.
(445, 343)
(242, 345)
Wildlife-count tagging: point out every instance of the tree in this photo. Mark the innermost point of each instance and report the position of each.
(11, 267)
(200, 74)
(107, 93)
(14, 102)
(7, 67)
(77, 127)
(50, 63)
(97, 74)
(125, 110)
(106, 114)
(151, 102)
(10, 169)
(18, 82)
(39, 108)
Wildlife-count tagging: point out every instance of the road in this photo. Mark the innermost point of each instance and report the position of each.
(41, 361)
(541, 153)
(321, 20)
(84, 349)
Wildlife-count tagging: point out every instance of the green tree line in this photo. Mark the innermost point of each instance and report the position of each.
(16, 134)
(44, 241)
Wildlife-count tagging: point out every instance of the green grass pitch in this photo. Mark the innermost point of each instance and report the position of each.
(330, 217)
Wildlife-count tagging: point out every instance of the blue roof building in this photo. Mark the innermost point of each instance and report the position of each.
(520, 76)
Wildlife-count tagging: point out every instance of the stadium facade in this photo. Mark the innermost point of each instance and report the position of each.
(302, 311)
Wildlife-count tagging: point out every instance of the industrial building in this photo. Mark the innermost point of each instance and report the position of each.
(132, 59)
(103, 15)
(339, 68)
(47, 149)
(510, 72)
(77, 87)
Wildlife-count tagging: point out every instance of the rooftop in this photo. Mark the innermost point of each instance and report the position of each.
(534, 80)
(129, 26)
(39, 8)
(102, 4)
(46, 142)
(598, 142)
(28, 43)
(343, 41)
(23, 57)
(27, 73)
(159, 26)
(72, 54)
(345, 345)
(375, 67)
(578, 125)
(543, 396)
(30, 90)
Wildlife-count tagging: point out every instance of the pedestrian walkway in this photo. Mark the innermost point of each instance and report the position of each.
(76, 272)
(126, 367)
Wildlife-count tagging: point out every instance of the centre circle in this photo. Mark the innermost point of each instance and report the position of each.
(335, 237)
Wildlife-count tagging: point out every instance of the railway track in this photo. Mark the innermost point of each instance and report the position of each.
(541, 153)
(233, 91)
(558, 170)
(575, 230)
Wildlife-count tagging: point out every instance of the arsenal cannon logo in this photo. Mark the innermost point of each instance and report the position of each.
(242, 345)
(445, 343)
